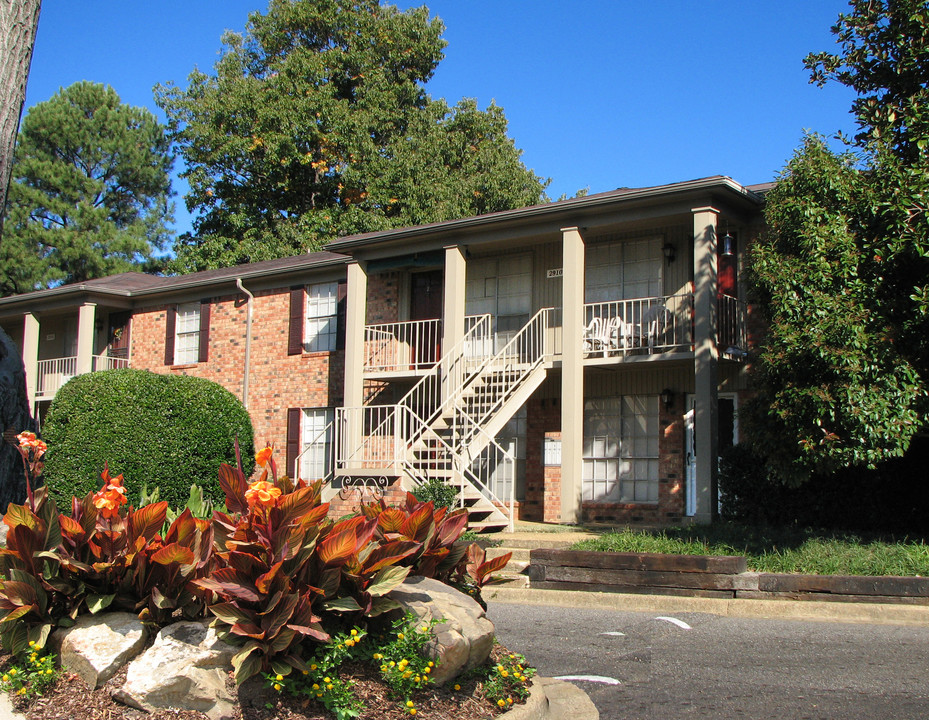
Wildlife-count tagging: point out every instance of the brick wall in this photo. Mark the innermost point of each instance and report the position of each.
(542, 502)
(277, 380)
(383, 304)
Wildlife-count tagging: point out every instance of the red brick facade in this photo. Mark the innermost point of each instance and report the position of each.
(277, 381)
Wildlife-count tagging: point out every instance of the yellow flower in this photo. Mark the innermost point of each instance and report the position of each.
(32, 643)
(509, 700)
(354, 632)
(315, 686)
(5, 678)
(313, 666)
(457, 687)
(279, 678)
(412, 711)
(326, 680)
(12, 671)
(349, 643)
(277, 687)
(427, 671)
(49, 671)
(500, 702)
(378, 656)
(399, 636)
(306, 672)
(504, 673)
(499, 668)
(431, 664)
(409, 703)
(329, 687)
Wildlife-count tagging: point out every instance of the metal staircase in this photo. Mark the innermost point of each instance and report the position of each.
(444, 427)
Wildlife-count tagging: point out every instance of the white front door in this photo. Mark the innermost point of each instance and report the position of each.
(690, 460)
(727, 419)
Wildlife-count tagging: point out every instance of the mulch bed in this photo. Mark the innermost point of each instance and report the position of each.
(71, 699)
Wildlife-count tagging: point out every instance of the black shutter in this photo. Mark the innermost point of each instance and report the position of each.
(204, 331)
(297, 311)
(342, 296)
(294, 415)
(169, 335)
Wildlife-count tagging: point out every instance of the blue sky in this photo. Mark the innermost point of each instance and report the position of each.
(598, 95)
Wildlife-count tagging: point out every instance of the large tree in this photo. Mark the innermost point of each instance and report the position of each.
(842, 276)
(90, 191)
(18, 23)
(316, 124)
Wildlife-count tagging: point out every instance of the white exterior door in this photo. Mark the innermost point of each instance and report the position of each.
(727, 417)
(690, 460)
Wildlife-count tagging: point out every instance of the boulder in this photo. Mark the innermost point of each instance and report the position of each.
(185, 668)
(96, 646)
(464, 640)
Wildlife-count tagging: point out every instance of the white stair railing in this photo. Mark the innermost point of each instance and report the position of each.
(52, 374)
(409, 345)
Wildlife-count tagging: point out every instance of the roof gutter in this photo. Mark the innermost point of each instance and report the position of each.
(248, 339)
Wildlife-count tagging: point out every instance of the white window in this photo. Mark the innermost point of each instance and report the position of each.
(621, 449)
(316, 443)
(322, 302)
(622, 271)
(187, 334)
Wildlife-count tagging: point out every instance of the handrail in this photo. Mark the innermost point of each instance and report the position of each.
(404, 345)
(659, 323)
(330, 465)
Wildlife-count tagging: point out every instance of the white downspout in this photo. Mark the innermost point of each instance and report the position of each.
(248, 340)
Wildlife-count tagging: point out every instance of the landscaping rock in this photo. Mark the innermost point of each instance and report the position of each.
(466, 637)
(99, 645)
(185, 668)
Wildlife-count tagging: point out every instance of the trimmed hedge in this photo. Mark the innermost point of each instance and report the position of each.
(168, 431)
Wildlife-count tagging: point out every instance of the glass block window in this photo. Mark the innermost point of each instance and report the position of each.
(621, 449)
(321, 317)
(187, 334)
(316, 443)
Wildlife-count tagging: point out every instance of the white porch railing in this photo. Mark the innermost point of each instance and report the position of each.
(653, 324)
(105, 362)
(732, 339)
(410, 345)
(52, 374)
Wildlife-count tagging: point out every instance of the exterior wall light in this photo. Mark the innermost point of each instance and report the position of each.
(669, 250)
(667, 398)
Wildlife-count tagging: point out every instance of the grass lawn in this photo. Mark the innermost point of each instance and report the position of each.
(781, 550)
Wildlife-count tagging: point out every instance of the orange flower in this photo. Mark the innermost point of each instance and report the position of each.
(262, 493)
(109, 499)
(29, 440)
(262, 456)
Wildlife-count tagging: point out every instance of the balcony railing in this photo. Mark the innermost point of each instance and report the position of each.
(638, 326)
(733, 342)
(410, 345)
(52, 374)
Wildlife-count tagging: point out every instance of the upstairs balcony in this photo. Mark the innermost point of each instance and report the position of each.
(648, 328)
(53, 373)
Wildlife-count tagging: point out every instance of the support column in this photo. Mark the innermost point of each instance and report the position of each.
(31, 357)
(453, 310)
(86, 316)
(572, 374)
(355, 316)
(706, 355)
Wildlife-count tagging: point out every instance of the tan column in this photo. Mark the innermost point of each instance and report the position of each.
(453, 311)
(706, 419)
(572, 374)
(355, 316)
(86, 316)
(31, 356)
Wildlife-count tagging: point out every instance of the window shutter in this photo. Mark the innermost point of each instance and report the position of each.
(169, 335)
(297, 320)
(204, 331)
(342, 295)
(294, 415)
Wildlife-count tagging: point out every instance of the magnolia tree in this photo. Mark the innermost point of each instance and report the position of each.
(842, 275)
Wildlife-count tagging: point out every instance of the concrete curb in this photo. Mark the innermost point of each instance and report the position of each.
(875, 613)
(6, 709)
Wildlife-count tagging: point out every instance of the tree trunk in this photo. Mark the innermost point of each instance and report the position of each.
(18, 22)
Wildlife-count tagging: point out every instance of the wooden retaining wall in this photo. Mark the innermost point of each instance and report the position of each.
(709, 576)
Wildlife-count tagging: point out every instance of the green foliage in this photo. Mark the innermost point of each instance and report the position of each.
(30, 674)
(316, 125)
(165, 430)
(439, 493)
(776, 549)
(320, 680)
(89, 191)
(833, 388)
(405, 659)
(843, 275)
(200, 507)
(507, 682)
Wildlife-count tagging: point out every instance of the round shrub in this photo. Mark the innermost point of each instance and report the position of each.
(168, 431)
